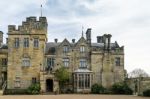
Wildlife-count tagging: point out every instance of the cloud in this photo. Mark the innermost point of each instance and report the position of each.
(127, 20)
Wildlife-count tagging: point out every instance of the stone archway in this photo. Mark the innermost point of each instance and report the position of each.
(49, 85)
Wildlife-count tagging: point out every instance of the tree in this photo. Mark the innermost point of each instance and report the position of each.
(137, 73)
(62, 76)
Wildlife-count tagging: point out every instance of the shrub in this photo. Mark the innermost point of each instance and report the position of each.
(121, 88)
(96, 89)
(15, 91)
(146, 93)
(34, 89)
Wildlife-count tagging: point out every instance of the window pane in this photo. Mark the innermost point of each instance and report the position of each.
(16, 43)
(65, 49)
(83, 63)
(26, 62)
(26, 42)
(82, 48)
(36, 42)
(117, 60)
(66, 62)
(50, 63)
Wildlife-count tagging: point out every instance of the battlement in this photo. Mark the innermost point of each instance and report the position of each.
(30, 23)
(34, 19)
(1, 32)
(11, 28)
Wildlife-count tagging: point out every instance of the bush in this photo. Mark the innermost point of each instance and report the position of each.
(34, 89)
(15, 91)
(121, 88)
(97, 89)
(146, 93)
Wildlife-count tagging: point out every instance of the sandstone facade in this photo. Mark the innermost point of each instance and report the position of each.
(30, 58)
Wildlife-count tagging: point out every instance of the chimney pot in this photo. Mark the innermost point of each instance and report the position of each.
(73, 40)
(56, 40)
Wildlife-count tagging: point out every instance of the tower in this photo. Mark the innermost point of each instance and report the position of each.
(26, 47)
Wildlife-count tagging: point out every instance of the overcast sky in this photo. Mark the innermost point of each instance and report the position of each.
(127, 20)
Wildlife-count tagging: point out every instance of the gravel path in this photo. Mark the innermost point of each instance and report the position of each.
(74, 96)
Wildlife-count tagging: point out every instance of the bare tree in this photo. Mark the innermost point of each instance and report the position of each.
(137, 73)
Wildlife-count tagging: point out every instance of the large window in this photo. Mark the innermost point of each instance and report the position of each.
(66, 62)
(82, 63)
(36, 42)
(82, 49)
(82, 80)
(117, 61)
(26, 42)
(16, 43)
(65, 49)
(26, 62)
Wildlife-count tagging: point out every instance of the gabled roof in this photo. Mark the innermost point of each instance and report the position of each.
(65, 41)
(82, 39)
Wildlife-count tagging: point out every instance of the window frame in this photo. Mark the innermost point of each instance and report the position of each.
(83, 63)
(16, 43)
(26, 42)
(36, 42)
(26, 62)
(118, 61)
(82, 48)
(66, 62)
(65, 48)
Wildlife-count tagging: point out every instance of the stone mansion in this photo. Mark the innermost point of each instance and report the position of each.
(27, 58)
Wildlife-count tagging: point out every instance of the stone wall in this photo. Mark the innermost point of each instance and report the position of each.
(138, 85)
(21, 76)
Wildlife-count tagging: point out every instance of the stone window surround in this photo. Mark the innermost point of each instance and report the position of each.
(26, 42)
(16, 43)
(82, 80)
(36, 42)
(66, 62)
(26, 62)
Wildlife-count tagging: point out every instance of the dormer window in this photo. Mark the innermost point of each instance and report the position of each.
(66, 49)
(82, 49)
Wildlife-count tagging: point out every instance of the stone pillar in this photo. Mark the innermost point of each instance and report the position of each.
(90, 80)
(77, 80)
(83, 81)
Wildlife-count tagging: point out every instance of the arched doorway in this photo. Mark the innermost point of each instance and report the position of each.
(49, 85)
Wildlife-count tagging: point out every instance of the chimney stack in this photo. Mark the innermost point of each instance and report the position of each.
(88, 35)
(100, 39)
